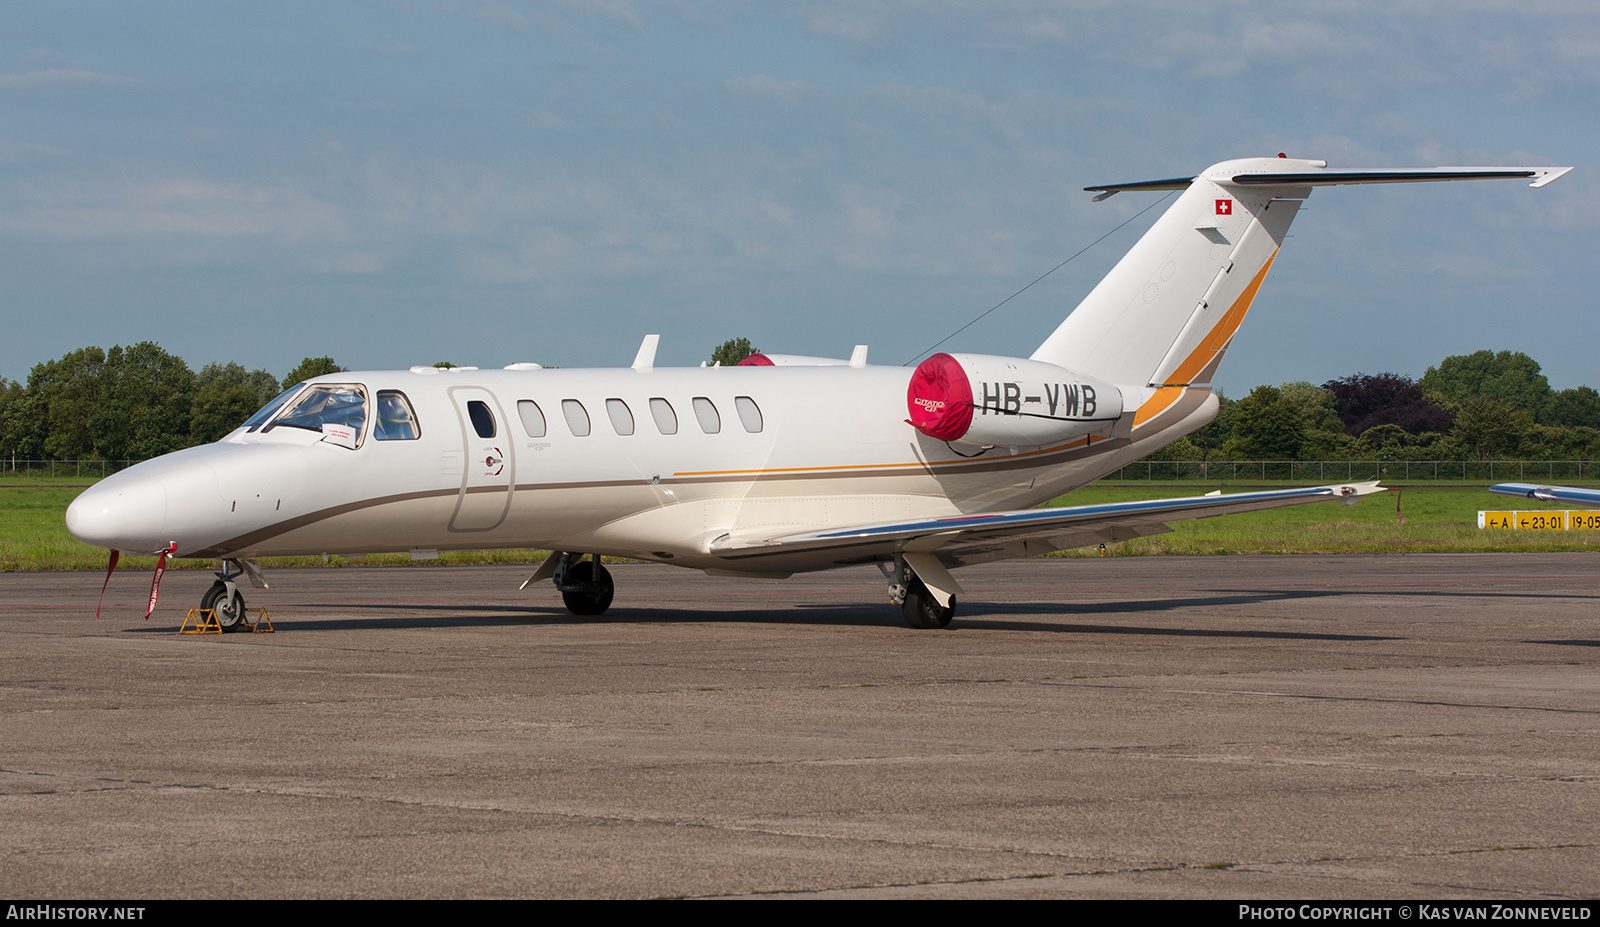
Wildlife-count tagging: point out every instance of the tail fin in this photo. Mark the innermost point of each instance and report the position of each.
(1168, 310)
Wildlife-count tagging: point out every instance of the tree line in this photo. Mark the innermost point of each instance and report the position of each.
(1480, 406)
(139, 401)
(132, 403)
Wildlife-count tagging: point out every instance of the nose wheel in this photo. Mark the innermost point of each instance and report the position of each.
(227, 602)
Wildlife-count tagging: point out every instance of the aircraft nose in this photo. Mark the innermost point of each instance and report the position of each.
(121, 514)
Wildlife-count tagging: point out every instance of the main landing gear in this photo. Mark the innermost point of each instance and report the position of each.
(224, 597)
(917, 602)
(585, 586)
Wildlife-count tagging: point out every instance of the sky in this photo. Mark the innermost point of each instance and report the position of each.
(485, 182)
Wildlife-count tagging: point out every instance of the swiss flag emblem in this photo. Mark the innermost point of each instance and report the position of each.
(1224, 207)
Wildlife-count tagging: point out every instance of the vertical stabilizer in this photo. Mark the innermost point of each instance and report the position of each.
(1168, 310)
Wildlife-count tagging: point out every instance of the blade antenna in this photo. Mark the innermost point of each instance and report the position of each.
(930, 349)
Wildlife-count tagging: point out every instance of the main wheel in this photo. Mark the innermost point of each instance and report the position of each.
(922, 610)
(595, 596)
(229, 609)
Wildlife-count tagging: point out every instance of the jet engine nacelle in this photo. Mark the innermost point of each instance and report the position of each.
(988, 401)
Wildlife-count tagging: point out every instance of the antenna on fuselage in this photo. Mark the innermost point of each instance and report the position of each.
(645, 360)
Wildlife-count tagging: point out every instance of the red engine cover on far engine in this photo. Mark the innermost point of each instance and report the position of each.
(940, 398)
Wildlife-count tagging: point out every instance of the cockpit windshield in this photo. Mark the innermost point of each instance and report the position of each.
(255, 421)
(327, 404)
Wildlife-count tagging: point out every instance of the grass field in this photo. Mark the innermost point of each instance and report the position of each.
(1440, 517)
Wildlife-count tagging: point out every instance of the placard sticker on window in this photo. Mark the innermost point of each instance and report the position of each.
(342, 435)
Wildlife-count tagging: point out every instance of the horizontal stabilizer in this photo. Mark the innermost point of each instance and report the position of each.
(1538, 175)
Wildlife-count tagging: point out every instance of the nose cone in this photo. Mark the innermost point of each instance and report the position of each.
(125, 511)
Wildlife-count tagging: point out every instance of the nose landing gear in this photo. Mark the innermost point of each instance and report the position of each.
(226, 601)
(224, 597)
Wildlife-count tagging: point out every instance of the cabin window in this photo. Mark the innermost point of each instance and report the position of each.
(666, 419)
(577, 417)
(532, 417)
(257, 420)
(710, 421)
(482, 418)
(396, 419)
(749, 413)
(621, 416)
(327, 404)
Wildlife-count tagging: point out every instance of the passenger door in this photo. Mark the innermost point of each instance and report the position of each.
(489, 465)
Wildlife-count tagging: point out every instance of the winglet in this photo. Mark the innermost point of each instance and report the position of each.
(1548, 174)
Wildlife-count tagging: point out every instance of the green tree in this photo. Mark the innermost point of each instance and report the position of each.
(143, 409)
(310, 367)
(1573, 408)
(1267, 425)
(733, 351)
(1492, 428)
(11, 393)
(1215, 435)
(51, 418)
(1322, 437)
(1509, 377)
(224, 396)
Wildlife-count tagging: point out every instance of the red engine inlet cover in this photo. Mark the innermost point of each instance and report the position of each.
(940, 398)
(755, 360)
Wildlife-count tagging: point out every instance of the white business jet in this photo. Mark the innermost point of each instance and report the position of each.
(780, 465)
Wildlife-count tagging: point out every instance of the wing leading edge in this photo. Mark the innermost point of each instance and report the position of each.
(964, 538)
(1570, 494)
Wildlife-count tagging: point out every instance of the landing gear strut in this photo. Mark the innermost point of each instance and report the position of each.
(585, 586)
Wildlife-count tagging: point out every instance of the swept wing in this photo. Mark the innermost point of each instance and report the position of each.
(968, 538)
(1569, 494)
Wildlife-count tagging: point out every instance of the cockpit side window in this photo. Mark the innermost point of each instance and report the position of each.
(327, 404)
(257, 420)
(396, 419)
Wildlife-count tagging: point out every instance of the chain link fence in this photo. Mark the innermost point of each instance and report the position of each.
(1141, 471)
(15, 468)
(1352, 470)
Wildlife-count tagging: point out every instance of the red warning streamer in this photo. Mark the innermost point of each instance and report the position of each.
(109, 568)
(155, 581)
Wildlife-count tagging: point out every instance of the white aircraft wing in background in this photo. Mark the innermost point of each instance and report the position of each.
(1569, 494)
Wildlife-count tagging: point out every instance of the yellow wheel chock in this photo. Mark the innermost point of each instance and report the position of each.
(204, 621)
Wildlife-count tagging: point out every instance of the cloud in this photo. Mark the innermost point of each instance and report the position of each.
(497, 13)
(174, 206)
(787, 91)
(354, 262)
(13, 151)
(59, 79)
(398, 48)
